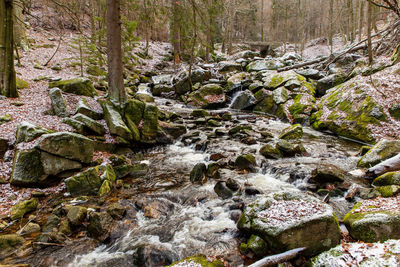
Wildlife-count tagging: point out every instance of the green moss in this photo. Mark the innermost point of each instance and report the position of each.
(389, 178)
(388, 190)
(23, 207)
(21, 84)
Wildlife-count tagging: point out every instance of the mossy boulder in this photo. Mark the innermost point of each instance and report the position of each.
(200, 113)
(349, 111)
(149, 129)
(237, 79)
(21, 84)
(329, 82)
(290, 149)
(77, 86)
(354, 254)
(182, 82)
(208, 97)
(246, 162)
(9, 243)
(388, 190)
(328, 173)
(383, 150)
(288, 220)
(115, 121)
(270, 151)
(76, 215)
(200, 261)
(374, 220)
(89, 181)
(389, 178)
(67, 145)
(23, 207)
(256, 245)
(265, 102)
(198, 174)
(293, 132)
(300, 108)
(27, 132)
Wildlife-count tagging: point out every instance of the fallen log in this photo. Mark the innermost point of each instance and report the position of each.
(389, 165)
(278, 258)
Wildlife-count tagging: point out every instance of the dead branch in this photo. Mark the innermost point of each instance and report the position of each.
(389, 165)
(278, 258)
(48, 244)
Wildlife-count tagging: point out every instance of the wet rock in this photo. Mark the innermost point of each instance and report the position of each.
(209, 96)
(150, 255)
(200, 113)
(200, 261)
(9, 243)
(237, 79)
(289, 220)
(328, 173)
(246, 162)
(68, 145)
(265, 102)
(90, 124)
(133, 170)
(292, 132)
(255, 245)
(117, 211)
(198, 174)
(374, 220)
(232, 184)
(260, 65)
(213, 170)
(235, 215)
(243, 100)
(145, 98)
(379, 254)
(78, 86)
(240, 129)
(27, 132)
(22, 208)
(100, 225)
(251, 191)
(58, 103)
(51, 237)
(222, 190)
(29, 228)
(270, 151)
(383, 150)
(150, 125)
(173, 129)
(288, 149)
(217, 156)
(76, 215)
(115, 122)
(182, 84)
(389, 178)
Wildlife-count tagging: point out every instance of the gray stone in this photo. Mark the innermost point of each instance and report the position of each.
(58, 103)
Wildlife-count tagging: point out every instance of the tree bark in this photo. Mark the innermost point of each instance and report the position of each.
(175, 32)
(114, 53)
(8, 85)
(369, 29)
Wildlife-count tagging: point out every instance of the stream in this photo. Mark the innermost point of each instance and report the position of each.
(180, 219)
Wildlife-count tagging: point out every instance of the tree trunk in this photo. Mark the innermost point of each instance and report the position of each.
(175, 32)
(8, 85)
(19, 26)
(369, 29)
(361, 21)
(114, 53)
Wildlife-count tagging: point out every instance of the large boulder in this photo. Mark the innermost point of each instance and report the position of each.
(348, 110)
(328, 82)
(374, 220)
(33, 167)
(209, 96)
(84, 109)
(267, 64)
(89, 123)
(67, 145)
(115, 121)
(360, 254)
(289, 220)
(9, 244)
(149, 127)
(27, 132)
(383, 150)
(182, 81)
(77, 86)
(243, 100)
(87, 182)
